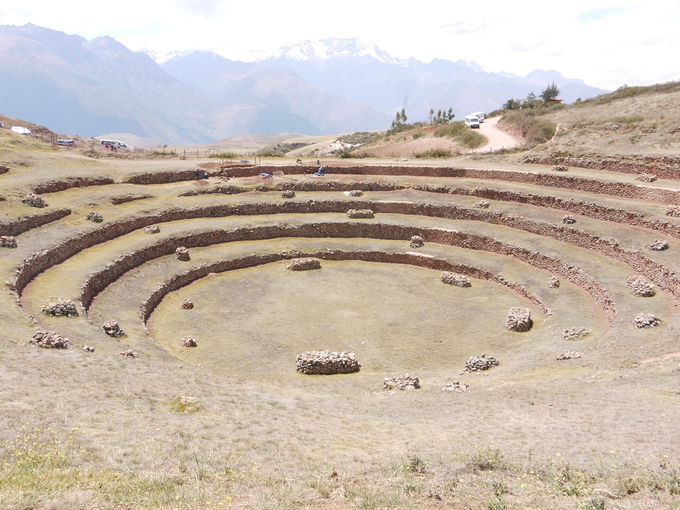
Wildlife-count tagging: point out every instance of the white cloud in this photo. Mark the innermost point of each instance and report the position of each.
(606, 43)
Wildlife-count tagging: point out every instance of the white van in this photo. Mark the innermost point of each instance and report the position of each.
(472, 121)
(480, 116)
(116, 144)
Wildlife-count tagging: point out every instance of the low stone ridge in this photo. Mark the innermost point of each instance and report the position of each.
(61, 309)
(568, 355)
(187, 304)
(360, 213)
(646, 320)
(659, 245)
(576, 333)
(182, 253)
(519, 319)
(568, 219)
(554, 282)
(123, 199)
(8, 242)
(34, 201)
(112, 328)
(416, 242)
(646, 178)
(50, 340)
(287, 193)
(640, 286)
(457, 387)
(456, 279)
(560, 168)
(327, 362)
(483, 204)
(304, 264)
(356, 193)
(402, 382)
(95, 217)
(128, 354)
(480, 363)
(189, 341)
(673, 210)
(152, 229)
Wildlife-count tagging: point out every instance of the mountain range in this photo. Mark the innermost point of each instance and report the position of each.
(92, 87)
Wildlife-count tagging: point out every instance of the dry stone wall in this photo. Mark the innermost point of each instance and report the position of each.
(23, 224)
(327, 362)
(71, 182)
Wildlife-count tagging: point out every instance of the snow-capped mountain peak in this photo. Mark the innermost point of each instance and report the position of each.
(323, 49)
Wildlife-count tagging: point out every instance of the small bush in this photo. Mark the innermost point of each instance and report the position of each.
(529, 125)
(184, 405)
(463, 135)
(487, 459)
(414, 464)
(417, 135)
(223, 155)
(434, 153)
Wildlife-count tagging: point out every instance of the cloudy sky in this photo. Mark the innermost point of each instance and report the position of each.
(607, 43)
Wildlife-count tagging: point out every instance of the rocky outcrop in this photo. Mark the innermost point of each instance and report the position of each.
(646, 178)
(576, 333)
(50, 340)
(568, 219)
(152, 229)
(519, 319)
(458, 280)
(480, 363)
(640, 286)
(112, 328)
(182, 253)
(327, 362)
(189, 341)
(483, 204)
(567, 355)
(8, 242)
(646, 320)
(304, 264)
(95, 217)
(187, 304)
(288, 193)
(402, 382)
(128, 354)
(456, 387)
(61, 309)
(659, 245)
(34, 201)
(553, 282)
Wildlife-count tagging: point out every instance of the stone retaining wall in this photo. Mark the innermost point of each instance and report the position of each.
(71, 182)
(178, 281)
(163, 177)
(25, 223)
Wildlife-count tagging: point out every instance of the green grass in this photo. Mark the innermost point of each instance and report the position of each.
(461, 134)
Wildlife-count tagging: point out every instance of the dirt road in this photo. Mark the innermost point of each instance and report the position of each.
(498, 139)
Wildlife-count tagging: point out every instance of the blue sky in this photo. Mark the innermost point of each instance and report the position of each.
(605, 43)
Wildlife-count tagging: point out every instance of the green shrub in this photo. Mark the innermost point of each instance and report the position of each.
(434, 153)
(223, 155)
(530, 125)
(417, 135)
(463, 135)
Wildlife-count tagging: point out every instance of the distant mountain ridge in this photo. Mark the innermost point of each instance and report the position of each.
(76, 86)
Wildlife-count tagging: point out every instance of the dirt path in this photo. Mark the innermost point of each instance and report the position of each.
(498, 139)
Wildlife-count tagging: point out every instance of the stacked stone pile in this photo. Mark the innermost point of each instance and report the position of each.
(568, 219)
(457, 387)
(640, 286)
(34, 200)
(646, 178)
(417, 241)
(560, 168)
(401, 382)
(456, 279)
(483, 204)
(356, 193)
(95, 216)
(152, 229)
(673, 210)
(659, 245)
(128, 354)
(287, 193)
(88, 348)
(568, 355)
(182, 253)
(519, 319)
(646, 320)
(112, 328)
(189, 341)
(61, 309)
(304, 264)
(50, 340)
(187, 304)
(576, 333)
(8, 242)
(327, 362)
(360, 213)
(554, 282)
(480, 363)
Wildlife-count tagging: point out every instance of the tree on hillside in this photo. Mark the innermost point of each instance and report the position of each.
(441, 117)
(399, 119)
(550, 92)
(512, 104)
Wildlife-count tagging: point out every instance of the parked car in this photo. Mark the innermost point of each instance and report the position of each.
(480, 116)
(116, 144)
(472, 121)
(66, 142)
